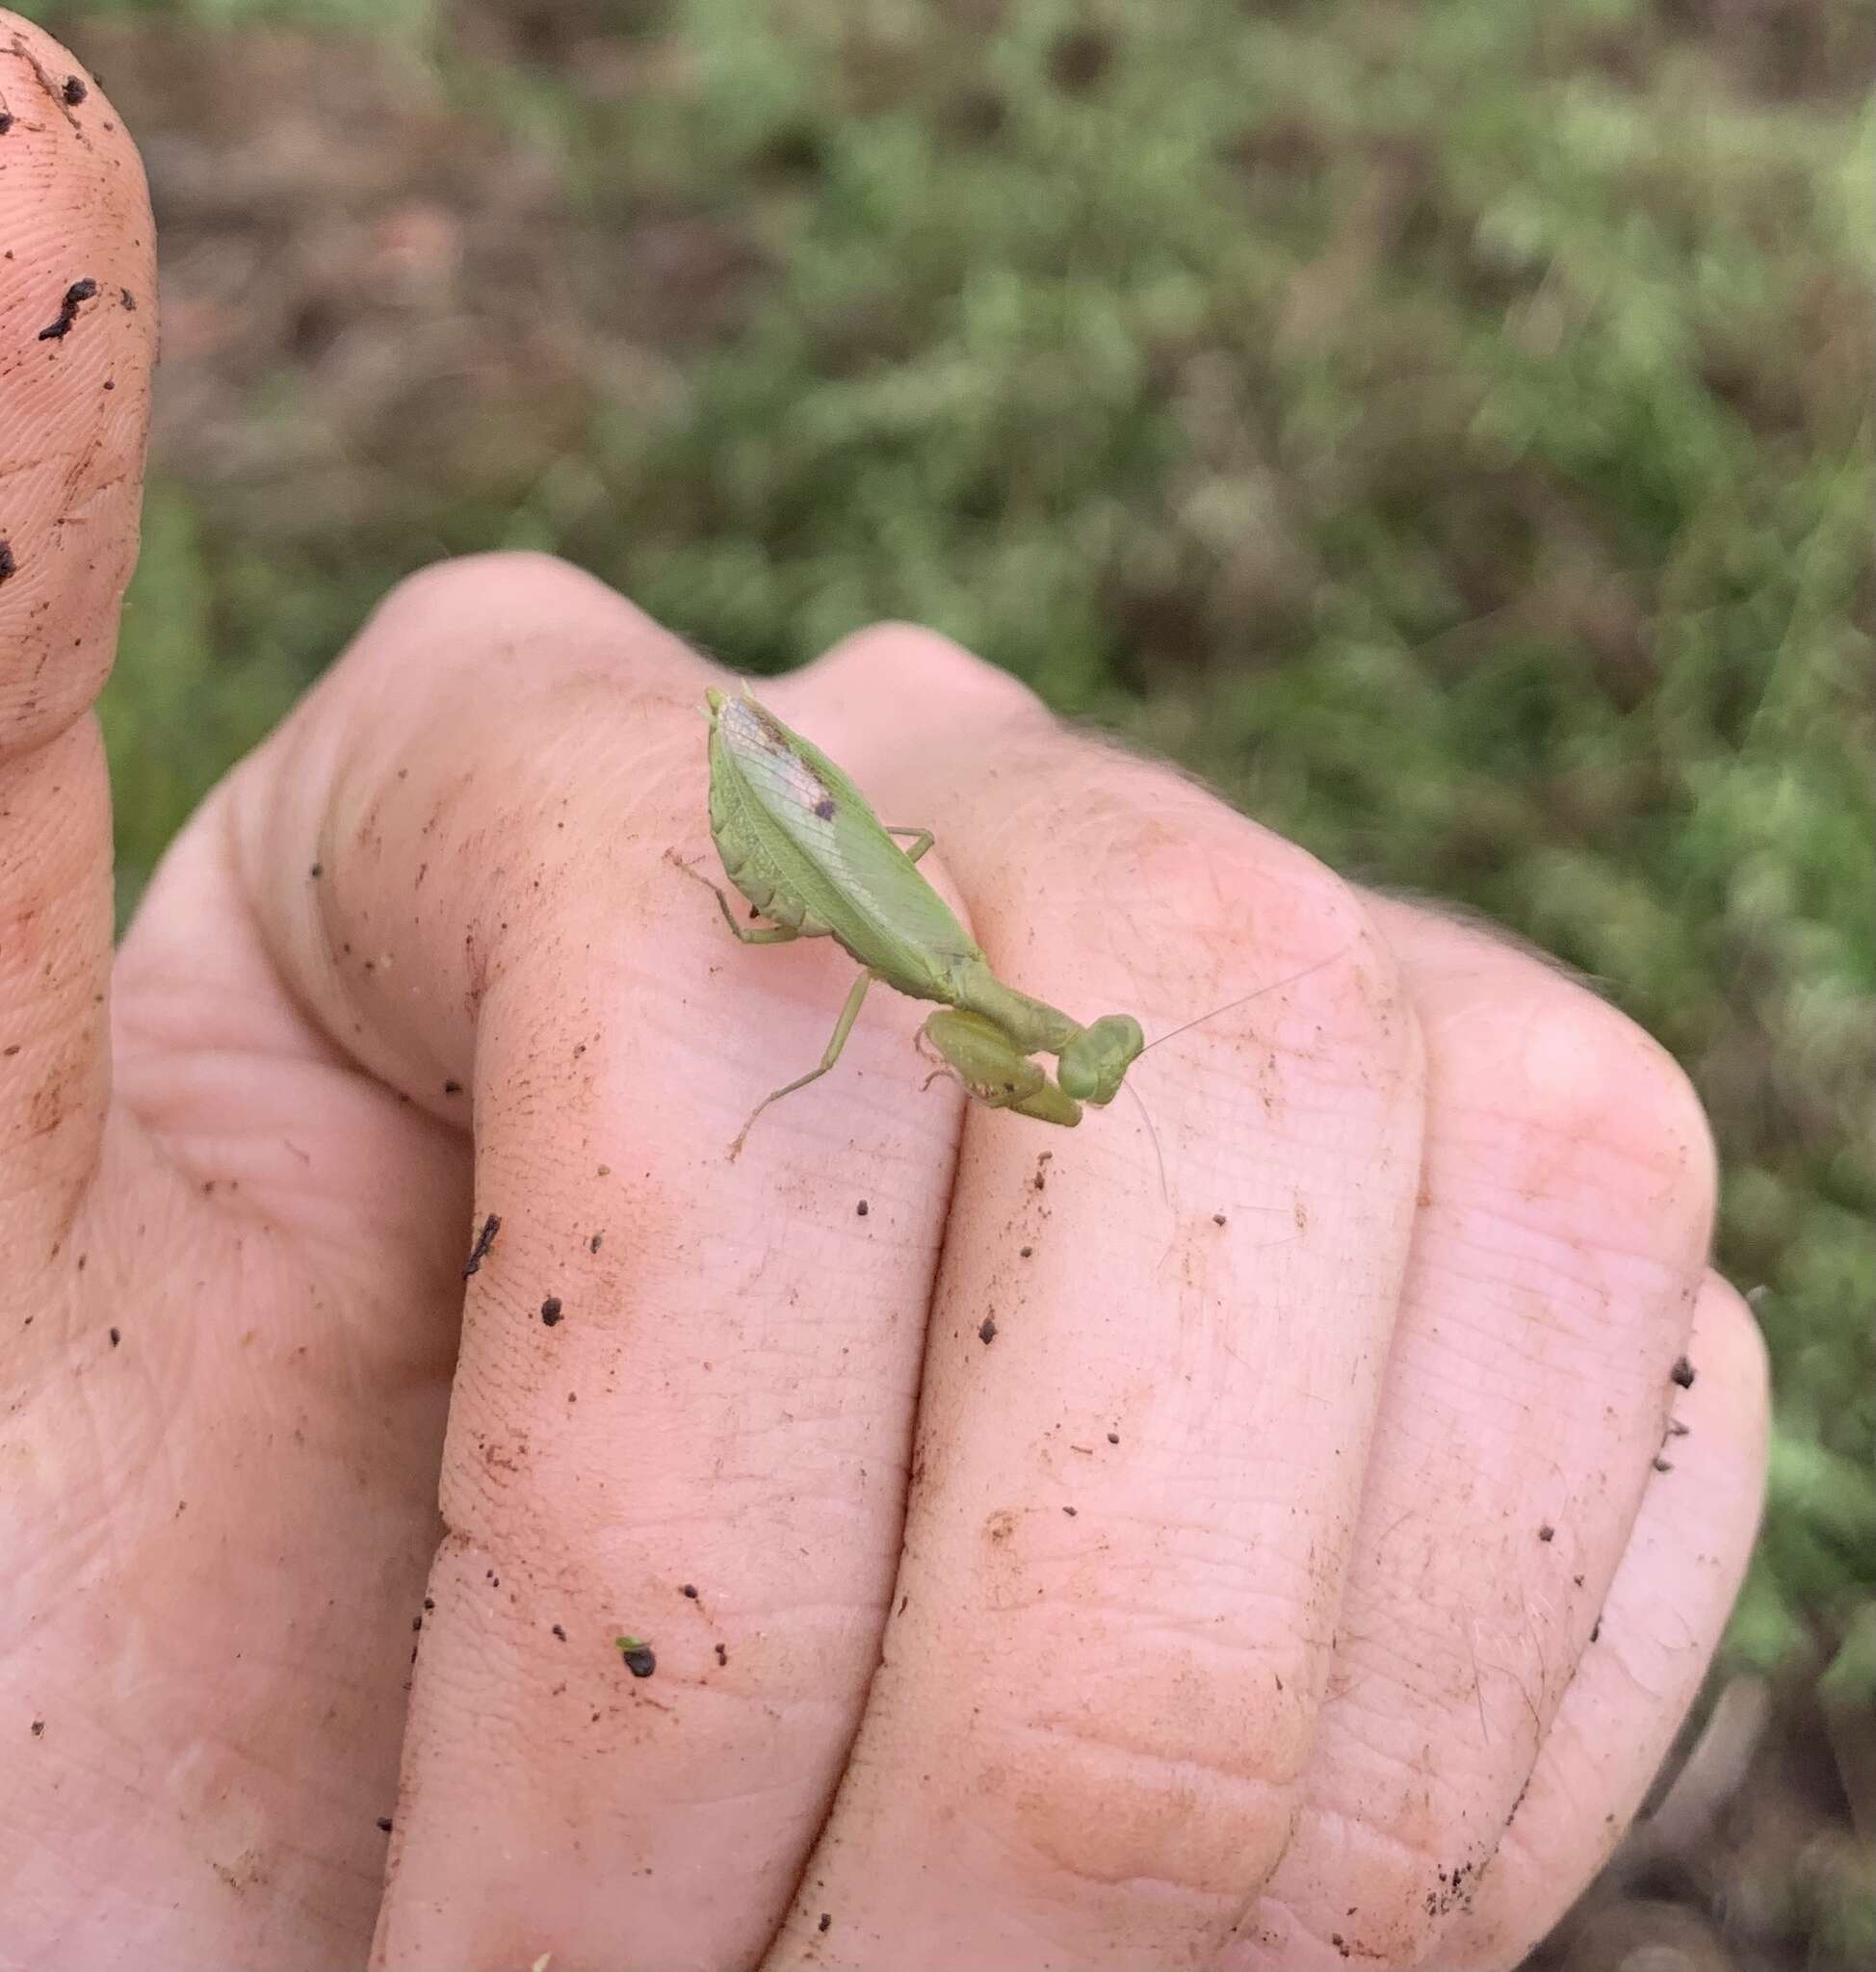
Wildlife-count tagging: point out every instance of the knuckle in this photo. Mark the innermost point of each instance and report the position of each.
(1221, 908)
(1161, 1787)
(924, 668)
(1416, 1875)
(491, 594)
(1611, 1093)
(1734, 1358)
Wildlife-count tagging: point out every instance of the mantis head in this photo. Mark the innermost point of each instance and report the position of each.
(1092, 1066)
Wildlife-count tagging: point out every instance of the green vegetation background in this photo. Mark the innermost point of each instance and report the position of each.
(1445, 426)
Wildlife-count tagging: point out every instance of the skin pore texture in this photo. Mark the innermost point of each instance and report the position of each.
(1306, 1561)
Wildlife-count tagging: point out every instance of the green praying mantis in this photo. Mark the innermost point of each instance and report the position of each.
(802, 844)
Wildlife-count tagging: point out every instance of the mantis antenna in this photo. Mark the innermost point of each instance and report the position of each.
(1245, 999)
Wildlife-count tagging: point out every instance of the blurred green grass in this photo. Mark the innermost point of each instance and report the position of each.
(1445, 427)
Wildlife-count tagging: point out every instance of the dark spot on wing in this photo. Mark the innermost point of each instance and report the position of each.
(773, 735)
(824, 808)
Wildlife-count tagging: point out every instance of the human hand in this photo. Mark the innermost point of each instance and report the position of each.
(1090, 1571)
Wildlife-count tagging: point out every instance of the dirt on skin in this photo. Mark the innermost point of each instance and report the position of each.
(329, 214)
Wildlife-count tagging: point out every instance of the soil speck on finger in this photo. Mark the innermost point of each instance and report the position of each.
(484, 1243)
(75, 296)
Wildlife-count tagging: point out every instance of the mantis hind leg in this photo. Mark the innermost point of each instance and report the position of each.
(922, 840)
(844, 1026)
(763, 934)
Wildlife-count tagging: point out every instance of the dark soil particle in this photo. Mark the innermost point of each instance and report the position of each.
(7, 564)
(560, 1630)
(860, 1210)
(1683, 1372)
(38, 1729)
(317, 869)
(116, 1336)
(827, 1921)
(1547, 1531)
(452, 1088)
(485, 1240)
(722, 1653)
(7, 121)
(79, 292)
(550, 1310)
(987, 1329)
(691, 1589)
(1113, 1437)
(384, 1824)
(128, 299)
(638, 1659)
(74, 91)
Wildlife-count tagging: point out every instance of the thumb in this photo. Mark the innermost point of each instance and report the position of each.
(77, 335)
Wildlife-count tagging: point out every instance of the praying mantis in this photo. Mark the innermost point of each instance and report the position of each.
(802, 844)
(804, 848)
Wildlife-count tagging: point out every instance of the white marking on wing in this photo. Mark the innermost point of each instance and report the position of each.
(778, 777)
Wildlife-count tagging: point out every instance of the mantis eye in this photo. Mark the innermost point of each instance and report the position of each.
(1093, 1065)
